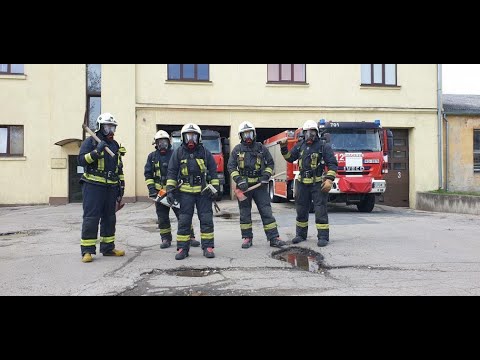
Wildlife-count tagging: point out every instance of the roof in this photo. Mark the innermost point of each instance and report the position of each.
(461, 104)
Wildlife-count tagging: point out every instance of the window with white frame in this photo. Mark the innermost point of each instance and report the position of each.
(286, 73)
(379, 74)
(11, 140)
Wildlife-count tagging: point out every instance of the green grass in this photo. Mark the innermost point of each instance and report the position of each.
(444, 192)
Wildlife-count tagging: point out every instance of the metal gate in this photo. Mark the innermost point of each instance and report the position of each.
(398, 176)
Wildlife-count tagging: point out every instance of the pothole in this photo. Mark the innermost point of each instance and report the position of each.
(18, 234)
(192, 272)
(303, 259)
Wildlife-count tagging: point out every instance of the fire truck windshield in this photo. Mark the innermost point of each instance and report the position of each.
(355, 140)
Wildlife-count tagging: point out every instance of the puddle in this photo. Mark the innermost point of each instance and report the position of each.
(303, 259)
(193, 272)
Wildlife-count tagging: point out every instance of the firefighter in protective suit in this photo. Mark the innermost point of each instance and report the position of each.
(312, 183)
(156, 179)
(195, 167)
(103, 184)
(249, 164)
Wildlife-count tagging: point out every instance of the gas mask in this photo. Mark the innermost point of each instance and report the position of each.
(162, 145)
(310, 136)
(191, 139)
(248, 136)
(109, 130)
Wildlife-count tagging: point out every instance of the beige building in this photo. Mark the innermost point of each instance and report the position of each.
(462, 142)
(42, 108)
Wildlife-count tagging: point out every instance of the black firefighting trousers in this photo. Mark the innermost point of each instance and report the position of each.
(304, 194)
(163, 215)
(205, 215)
(98, 206)
(262, 200)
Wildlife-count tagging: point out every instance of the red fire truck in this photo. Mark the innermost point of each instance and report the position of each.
(213, 142)
(361, 149)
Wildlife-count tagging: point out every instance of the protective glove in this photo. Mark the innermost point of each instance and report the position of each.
(171, 198)
(152, 192)
(121, 191)
(265, 179)
(242, 183)
(101, 146)
(212, 195)
(327, 185)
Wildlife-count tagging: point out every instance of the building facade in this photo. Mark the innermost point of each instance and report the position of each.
(462, 142)
(43, 107)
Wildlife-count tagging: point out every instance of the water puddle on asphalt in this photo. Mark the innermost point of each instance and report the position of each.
(300, 258)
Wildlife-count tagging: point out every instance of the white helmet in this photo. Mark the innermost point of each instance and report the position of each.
(310, 131)
(244, 127)
(310, 125)
(160, 135)
(189, 128)
(105, 119)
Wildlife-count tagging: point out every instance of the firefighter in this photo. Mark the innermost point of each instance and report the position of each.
(103, 185)
(156, 180)
(312, 183)
(249, 164)
(195, 167)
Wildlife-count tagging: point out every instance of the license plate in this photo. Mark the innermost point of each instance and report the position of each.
(354, 168)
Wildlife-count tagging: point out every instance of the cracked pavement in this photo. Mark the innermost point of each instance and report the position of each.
(391, 251)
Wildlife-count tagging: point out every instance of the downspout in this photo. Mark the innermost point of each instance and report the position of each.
(440, 125)
(446, 151)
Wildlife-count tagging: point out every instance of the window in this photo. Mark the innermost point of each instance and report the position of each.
(11, 140)
(189, 72)
(476, 150)
(379, 74)
(286, 73)
(94, 94)
(11, 69)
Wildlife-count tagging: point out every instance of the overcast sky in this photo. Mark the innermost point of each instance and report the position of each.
(461, 79)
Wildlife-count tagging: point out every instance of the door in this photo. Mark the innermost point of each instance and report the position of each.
(398, 176)
(74, 174)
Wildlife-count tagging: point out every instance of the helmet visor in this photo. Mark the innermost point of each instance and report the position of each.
(248, 135)
(163, 143)
(191, 137)
(109, 129)
(310, 134)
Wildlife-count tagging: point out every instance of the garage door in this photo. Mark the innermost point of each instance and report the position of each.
(397, 193)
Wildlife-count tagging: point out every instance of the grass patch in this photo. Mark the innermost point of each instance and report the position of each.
(444, 192)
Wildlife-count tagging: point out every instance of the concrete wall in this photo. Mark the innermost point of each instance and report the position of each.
(461, 176)
(461, 204)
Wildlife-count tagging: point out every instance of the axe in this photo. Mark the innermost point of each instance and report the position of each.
(241, 194)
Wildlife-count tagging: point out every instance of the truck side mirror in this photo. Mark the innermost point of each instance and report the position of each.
(226, 146)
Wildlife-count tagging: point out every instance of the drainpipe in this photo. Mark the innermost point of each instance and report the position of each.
(446, 155)
(440, 125)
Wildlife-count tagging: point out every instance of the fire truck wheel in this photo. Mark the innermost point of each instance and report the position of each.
(367, 204)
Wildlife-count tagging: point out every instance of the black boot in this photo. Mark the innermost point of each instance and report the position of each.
(247, 242)
(322, 242)
(298, 239)
(181, 254)
(165, 244)
(277, 242)
(208, 253)
(194, 243)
